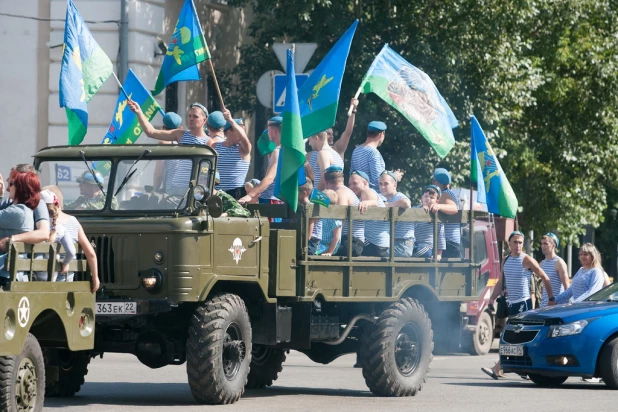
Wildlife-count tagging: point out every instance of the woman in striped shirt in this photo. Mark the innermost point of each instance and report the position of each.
(553, 266)
(588, 279)
(517, 268)
(234, 157)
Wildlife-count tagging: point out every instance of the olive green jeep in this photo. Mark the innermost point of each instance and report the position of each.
(230, 296)
(46, 325)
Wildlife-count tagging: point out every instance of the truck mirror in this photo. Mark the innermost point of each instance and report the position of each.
(215, 206)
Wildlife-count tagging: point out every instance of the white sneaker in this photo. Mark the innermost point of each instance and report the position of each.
(592, 380)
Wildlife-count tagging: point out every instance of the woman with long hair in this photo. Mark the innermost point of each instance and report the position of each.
(24, 191)
(588, 279)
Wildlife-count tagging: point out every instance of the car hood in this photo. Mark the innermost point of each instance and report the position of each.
(571, 311)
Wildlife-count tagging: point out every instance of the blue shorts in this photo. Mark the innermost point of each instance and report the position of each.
(519, 307)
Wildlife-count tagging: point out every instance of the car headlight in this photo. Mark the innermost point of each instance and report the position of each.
(567, 329)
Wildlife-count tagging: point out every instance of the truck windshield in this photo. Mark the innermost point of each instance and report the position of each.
(153, 184)
(79, 183)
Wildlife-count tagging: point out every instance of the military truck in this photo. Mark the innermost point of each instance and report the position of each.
(47, 326)
(229, 296)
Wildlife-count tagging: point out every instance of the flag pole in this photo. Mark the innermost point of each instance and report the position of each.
(360, 88)
(212, 68)
(121, 88)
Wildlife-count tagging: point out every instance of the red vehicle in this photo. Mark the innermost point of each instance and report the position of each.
(479, 324)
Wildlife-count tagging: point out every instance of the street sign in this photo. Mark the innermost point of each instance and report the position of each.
(279, 86)
(302, 53)
(63, 174)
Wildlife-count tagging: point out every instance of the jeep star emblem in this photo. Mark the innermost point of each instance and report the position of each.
(23, 311)
(237, 249)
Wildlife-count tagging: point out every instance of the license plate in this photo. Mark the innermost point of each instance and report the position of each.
(116, 308)
(512, 350)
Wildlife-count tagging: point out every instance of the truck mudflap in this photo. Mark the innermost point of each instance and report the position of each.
(108, 310)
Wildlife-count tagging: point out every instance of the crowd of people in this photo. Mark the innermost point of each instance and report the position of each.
(369, 183)
(32, 214)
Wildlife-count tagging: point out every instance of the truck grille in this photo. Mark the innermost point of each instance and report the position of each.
(515, 361)
(510, 336)
(104, 247)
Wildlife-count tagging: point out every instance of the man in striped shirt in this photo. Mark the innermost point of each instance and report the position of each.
(234, 157)
(423, 231)
(448, 204)
(177, 183)
(322, 157)
(376, 232)
(366, 157)
(404, 231)
(214, 127)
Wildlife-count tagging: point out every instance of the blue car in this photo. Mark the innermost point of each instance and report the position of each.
(553, 343)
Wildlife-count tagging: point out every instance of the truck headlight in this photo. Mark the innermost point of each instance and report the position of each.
(567, 329)
(151, 279)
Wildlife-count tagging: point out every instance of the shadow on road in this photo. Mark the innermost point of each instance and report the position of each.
(175, 394)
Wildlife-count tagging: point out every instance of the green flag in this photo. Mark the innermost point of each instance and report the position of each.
(292, 154)
(264, 144)
(414, 95)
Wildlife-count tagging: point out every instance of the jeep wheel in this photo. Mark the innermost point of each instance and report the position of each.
(608, 364)
(22, 379)
(547, 381)
(482, 338)
(72, 369)
(399, 353)
(266, 363)
(219, 350)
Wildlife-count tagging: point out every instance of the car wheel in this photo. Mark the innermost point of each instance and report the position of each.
(547, 381)
(608, 364)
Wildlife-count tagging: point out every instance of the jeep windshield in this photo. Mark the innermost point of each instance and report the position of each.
(145, 182)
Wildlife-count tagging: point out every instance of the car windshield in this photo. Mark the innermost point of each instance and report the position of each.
(83, 185)
(609, 293)
(152, 184)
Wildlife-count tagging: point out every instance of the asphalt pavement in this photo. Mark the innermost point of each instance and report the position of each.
(120, 383)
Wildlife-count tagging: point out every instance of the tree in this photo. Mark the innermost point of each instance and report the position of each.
(540, 75)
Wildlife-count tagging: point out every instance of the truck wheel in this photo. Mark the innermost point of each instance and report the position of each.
(266, 363)
(547, 381)
(397, 360)
(483, 337)
(22, 379)
(72, 369)
(608, 364)
(219, 350)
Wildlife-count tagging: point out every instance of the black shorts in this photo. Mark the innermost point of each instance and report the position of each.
(357, 247)
(519, 307)
(373, 250)
(453, 250)
(237, 193)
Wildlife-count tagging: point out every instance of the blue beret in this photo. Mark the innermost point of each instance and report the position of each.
(274, 121)
(216, 120)
(88, 178)
(361, 174)
(332, 169)
(376, 126)
(172, 120)
(254, 182)
(433, 187)
(442, 176)
(516, 233)
(228, 125)
(553, 237)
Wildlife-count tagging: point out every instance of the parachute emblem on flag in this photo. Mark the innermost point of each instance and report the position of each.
(121, 107)
(316, 89)
(487, 161)
(182, 35)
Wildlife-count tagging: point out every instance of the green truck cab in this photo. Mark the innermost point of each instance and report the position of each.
(46, 325)
(230, 296)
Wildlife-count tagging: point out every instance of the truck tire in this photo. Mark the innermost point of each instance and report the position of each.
(482, 338)
(400, 350)
(608, 364)
(219, 350)
(22, 379)
(547, 381)
(72, 369)
(266, 363)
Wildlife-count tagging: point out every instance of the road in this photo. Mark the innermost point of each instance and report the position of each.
(120, 383)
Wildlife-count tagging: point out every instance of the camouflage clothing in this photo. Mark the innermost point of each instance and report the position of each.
(96, 203)
(231, 206)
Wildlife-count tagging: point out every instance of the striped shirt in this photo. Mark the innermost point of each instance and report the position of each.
(232, 169)
(423, 231)
(549, 267)
(358, 227)
(377, 231)
(452, 231)
(517, 279)
(403, 230)
(71, 228)
(328, 227)
(585, 283)
(269, 193)
(369, 160)
(178, 172)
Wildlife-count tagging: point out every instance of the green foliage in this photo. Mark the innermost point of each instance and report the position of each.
(540, 75)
